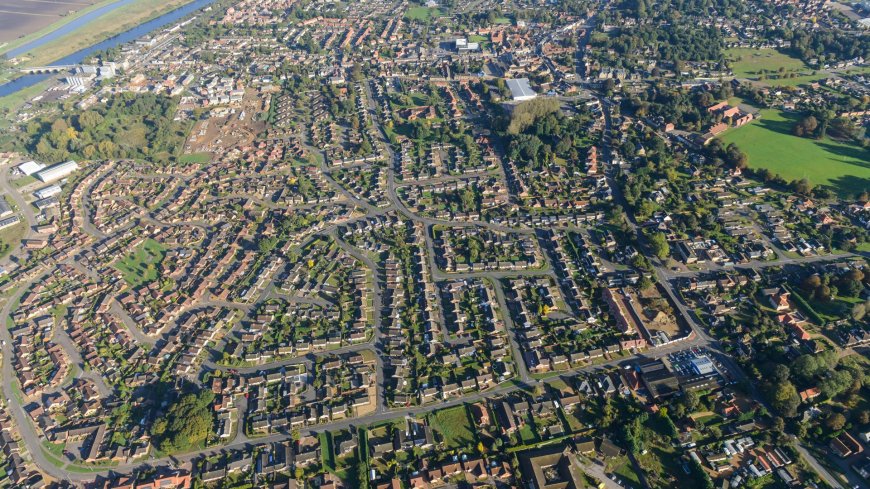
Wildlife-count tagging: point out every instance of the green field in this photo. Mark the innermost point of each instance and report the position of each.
(775, 67)
(10, 104)
(136, 268)
(454, 426)
(769, 143)
(194, 158)
(10, 237)
(422, 13)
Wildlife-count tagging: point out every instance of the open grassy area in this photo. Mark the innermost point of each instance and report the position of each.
(10, 237)
(771, 67)
(769, 143)
(422, 13)
(751, 63)
(454, 425)
(11, 103)
(136, 268)
(119, 20)
(194, 158)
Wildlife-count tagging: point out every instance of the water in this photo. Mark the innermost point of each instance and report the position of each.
(66, 29)
(122, 38)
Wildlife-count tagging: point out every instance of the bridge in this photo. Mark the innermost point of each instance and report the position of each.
(38, 70)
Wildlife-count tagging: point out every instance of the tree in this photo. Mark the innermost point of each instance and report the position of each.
(778, 424)
(806, 126)
(187, 422)
(659, 244)
(835, 422)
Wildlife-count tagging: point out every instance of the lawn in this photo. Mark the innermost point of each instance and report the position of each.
(754, 63)
(751, 62)
(422, 13)
(10, 104)
(194, 158)
(455, 427)
(769, 143)
(136, 268)
(10, 237)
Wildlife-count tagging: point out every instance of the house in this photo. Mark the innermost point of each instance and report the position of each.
(845, 445)
(551, 468)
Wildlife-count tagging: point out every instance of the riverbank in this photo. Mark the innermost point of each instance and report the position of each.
(114, 22)
(53, 27)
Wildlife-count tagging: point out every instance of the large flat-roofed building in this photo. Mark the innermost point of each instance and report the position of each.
(702, 365)
(46, 192)
(29, 167)
(520, 89)
(658, 380)
(463, 46)
(9, 221)
(5, 208)
(58, 171)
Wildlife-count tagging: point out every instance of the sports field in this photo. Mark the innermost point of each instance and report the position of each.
(422, 13)
(769, 143)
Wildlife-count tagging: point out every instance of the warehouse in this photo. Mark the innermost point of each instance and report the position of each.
(5, 208)
(58, 171)
(9, 221)
(29, 168)
(520, 89)
(46, 192)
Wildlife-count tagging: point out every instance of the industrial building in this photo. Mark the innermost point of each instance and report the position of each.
(520, 89)
(29, 168)
(58, 171)
(5, 208)
(9, 221)
(46, 192)
(463, 46)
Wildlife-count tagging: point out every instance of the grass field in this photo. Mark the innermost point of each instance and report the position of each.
(455, 427)
(11, 103)
(10, 237)
(194, 158)
(117, 21)
(756, 63)
(422, 13)
(769, 142)
(135, 266)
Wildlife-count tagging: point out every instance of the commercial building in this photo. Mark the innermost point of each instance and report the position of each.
(29, 168)
(658, 380)
(46, 192)
(463, 46)
(58, 171)
(5, 208)
(702, 365)
(520, 89)
(9, 221)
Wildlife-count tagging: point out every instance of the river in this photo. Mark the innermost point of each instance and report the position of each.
(79, 56)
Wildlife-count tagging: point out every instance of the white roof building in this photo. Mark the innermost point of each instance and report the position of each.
(48, 191)
(58, 171)
(702, 365)
(520, 89)
(30, 167)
